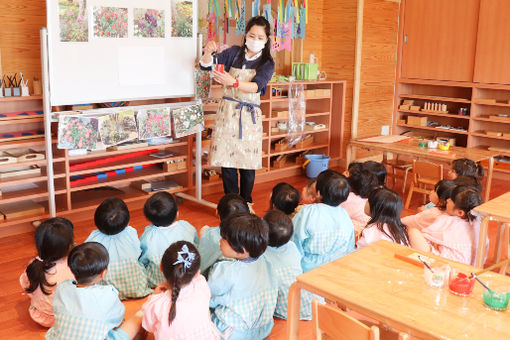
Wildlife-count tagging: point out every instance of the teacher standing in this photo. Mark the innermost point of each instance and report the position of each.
(237, 137)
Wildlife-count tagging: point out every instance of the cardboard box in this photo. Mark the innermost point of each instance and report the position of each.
(401, 121)
(305, 142)
(404, 107)
(415, 108)
(416, 121)
(408, 102)
(309, 93)
(281, 146)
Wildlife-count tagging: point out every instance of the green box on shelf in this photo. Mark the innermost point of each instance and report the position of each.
(304, 71)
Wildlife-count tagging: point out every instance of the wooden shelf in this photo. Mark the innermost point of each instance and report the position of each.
(127, 163)
(492, 104)
(16, 180)
(120, 152)
(481, 134)
(312, 147)
(433, 129)
(438, 98)
(290, 166)
(25, 219)
(22, 143)
(27, 120)
(39, 163)
(434, 114)
(144, 174)
(317, 114)
(483, 119)
(29, 194)
(312, 98)
(19, 99)
(309, 132)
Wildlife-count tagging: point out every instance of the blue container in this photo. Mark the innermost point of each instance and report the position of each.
(315, 164)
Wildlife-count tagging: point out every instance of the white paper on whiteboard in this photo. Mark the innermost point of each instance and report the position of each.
(142, 66)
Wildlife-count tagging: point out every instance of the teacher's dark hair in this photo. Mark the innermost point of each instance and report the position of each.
(266, 52)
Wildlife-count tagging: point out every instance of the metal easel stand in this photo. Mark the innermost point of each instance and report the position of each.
(47, 121)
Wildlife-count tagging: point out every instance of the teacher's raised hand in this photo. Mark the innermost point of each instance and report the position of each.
(223, 78)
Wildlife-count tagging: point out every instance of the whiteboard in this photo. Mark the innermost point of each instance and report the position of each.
(98, 68)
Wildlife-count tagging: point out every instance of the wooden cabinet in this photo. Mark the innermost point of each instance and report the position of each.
(493, 46)
(439, 39)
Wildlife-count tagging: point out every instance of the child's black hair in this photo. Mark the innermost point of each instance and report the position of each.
(385, 208)
(111, 216)
(363, 182)
(161, 209)
(231, 204)
(467, 167)
(469, 181)
(443, 189)
(53, 240)
(280, 227)
(333, 187)
(285, 198)
(378, 169)
(354, 167)
(245, 231)
(466, 199)
(179, 265)
(87, 261)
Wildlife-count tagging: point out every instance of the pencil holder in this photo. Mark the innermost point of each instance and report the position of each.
(16, 92)
(8, 92)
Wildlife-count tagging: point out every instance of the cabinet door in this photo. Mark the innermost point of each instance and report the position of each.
(493, 46)
(440, 39)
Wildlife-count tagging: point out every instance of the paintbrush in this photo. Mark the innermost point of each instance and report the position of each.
(425, 263)
(481, 282)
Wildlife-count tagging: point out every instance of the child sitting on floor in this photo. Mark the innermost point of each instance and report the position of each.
(378, 169)
(324, 232)
(121, 241)
(181, 310)
(86, 309)
(161, 210)
(309, 193)
(209, 246)
(243, 291)
(285, 260)
(454, 235)
(361, 182)
(53, 240)
(384, 207)
(438, 197)
(284, 198)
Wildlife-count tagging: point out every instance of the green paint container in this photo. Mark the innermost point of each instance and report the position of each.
(496, 300)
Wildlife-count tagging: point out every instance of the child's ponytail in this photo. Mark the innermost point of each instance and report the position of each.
(479, 171)
(53, 240)
(466, 199)
(180, 263)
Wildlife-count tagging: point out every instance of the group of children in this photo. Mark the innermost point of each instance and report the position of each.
(232, 282)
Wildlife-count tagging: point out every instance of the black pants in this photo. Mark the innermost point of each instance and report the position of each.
(230, 182)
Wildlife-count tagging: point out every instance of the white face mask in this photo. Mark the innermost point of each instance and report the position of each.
(255, 45)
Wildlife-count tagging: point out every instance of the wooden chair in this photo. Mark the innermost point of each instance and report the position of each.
(425, 175)
(397, 164)
(332, 323)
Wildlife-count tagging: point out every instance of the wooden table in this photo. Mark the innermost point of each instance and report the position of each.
(372, 282)
(498, 210)
(411, 148)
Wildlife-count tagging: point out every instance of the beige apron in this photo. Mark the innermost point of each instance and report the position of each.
(232, 147)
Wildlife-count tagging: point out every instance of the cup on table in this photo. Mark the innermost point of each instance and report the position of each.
(460, 283)
(219, 68)
(439, 277)
(497, 298)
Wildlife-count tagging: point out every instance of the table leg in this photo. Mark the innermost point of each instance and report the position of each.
(348, 156)
(489, 179)
(294, 305)
(499, 241)
(480, 257)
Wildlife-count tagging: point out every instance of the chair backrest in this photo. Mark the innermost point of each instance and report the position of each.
(332, 323)
(427, 170)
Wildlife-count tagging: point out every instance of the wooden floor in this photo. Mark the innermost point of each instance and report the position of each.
(16, 251)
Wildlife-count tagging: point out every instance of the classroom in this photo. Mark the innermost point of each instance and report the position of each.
(254, 169)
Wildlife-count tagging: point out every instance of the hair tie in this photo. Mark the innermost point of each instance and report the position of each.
(39, 259)
(186, 261)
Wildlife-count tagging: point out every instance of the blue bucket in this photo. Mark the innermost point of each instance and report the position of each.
(315, 164)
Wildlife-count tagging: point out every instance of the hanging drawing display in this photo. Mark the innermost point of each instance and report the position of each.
(241, 20)
(188, 120)
(182, 18)
(118, 127)
(77, 132)
(149, 23)
(73, 21)
(110, 22)
(153, 123)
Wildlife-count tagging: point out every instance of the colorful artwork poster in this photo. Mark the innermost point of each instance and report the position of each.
(153, 123)
(241, 21)
(301, 31)
(76, 132)
(188, 120)
(118, 127)
(182, 18)
(110, 22)
(73, 21)
(149, 23)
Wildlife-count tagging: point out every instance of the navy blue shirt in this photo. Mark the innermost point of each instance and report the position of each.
(264, 72)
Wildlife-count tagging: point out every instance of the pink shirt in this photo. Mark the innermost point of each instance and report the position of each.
(423, 219)
(373, 234)
(454, 238)
(355, 207)
(41, 308)
(192, 317)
